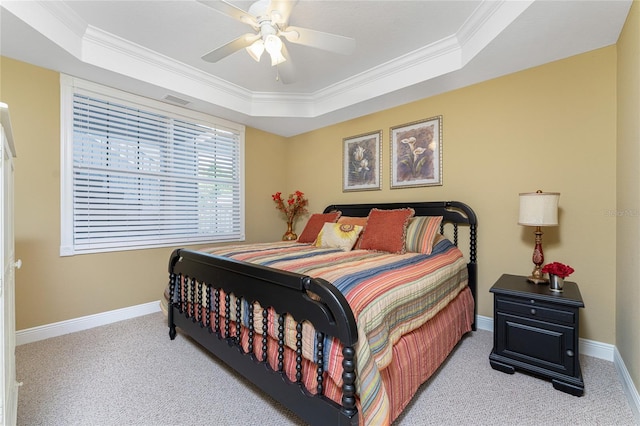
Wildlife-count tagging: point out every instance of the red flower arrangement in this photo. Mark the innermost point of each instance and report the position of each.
(559, 269)
(295, 205)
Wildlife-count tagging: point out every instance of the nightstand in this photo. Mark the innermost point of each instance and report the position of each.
(536, 330)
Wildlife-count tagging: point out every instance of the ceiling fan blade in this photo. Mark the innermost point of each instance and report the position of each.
(231, 47)
(232, 11)
(320, 40)
(280, 10)
(286, 70)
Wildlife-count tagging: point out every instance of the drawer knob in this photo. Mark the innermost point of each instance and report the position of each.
(570, 353)
(533, 311)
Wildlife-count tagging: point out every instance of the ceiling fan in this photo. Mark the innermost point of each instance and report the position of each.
(269, 19)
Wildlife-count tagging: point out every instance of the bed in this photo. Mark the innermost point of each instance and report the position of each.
(339, 336)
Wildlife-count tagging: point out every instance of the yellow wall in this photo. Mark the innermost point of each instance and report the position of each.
(628, 195)
(50, 288)
(551, 128)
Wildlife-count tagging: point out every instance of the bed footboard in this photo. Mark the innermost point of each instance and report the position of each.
(197, 281)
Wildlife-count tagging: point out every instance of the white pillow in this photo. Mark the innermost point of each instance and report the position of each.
(338, 235)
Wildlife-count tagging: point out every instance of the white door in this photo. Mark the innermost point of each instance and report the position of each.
(9, 400)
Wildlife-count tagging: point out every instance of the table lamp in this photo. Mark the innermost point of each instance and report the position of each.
(538, 209)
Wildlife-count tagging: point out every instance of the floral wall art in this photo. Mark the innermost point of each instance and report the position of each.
(361, 169)
(416, 153)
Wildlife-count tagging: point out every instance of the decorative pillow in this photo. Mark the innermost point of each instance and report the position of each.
(314, 225)
(352, 220)
(338, 235)
(439, 237)
(421, 233)
(386, 230)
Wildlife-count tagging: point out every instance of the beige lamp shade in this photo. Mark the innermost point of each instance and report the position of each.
(539, 208)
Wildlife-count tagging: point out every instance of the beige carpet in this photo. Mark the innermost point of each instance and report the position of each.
(131, 373)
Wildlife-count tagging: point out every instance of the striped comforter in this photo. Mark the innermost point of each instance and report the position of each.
(390, 295)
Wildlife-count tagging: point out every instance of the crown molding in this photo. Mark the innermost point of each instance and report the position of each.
(107, 51)
(54, 20)
(93, 46)
(487, 21)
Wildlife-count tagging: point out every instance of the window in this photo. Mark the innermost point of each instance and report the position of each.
(137, 173)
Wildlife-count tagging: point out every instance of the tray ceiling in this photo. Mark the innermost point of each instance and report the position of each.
(405, 50)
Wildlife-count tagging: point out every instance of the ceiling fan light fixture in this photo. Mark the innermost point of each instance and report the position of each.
(277, 58)
(256, 50)
(273, 45)
(270, 20)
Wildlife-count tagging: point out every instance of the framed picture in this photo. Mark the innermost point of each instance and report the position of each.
(416, 153)
(361, 162)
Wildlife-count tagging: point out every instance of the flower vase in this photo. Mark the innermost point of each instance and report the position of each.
(289, 235)
(555, 282)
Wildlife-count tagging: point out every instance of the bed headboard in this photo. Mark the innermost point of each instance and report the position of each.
(453, 212)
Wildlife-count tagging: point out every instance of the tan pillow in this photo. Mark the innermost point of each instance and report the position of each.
(314, 225)
(338, 235)
(421, 232)
(386, 230)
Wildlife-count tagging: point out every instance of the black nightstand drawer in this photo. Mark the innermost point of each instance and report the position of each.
(533, 309)
(537, 343)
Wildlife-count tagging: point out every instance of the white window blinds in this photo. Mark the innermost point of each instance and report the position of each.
(143, 178)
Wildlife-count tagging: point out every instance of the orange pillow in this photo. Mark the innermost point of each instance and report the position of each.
(386, 230)
(352, 220)
(314, 225)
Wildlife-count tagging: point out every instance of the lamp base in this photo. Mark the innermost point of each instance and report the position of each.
(537, 277)
(537, 280)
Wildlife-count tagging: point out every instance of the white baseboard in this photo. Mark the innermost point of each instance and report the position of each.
(484, 323)
(597, 350)
(84, 323)
(627, 383)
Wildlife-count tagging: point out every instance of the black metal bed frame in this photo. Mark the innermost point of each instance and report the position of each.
(203, 276)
